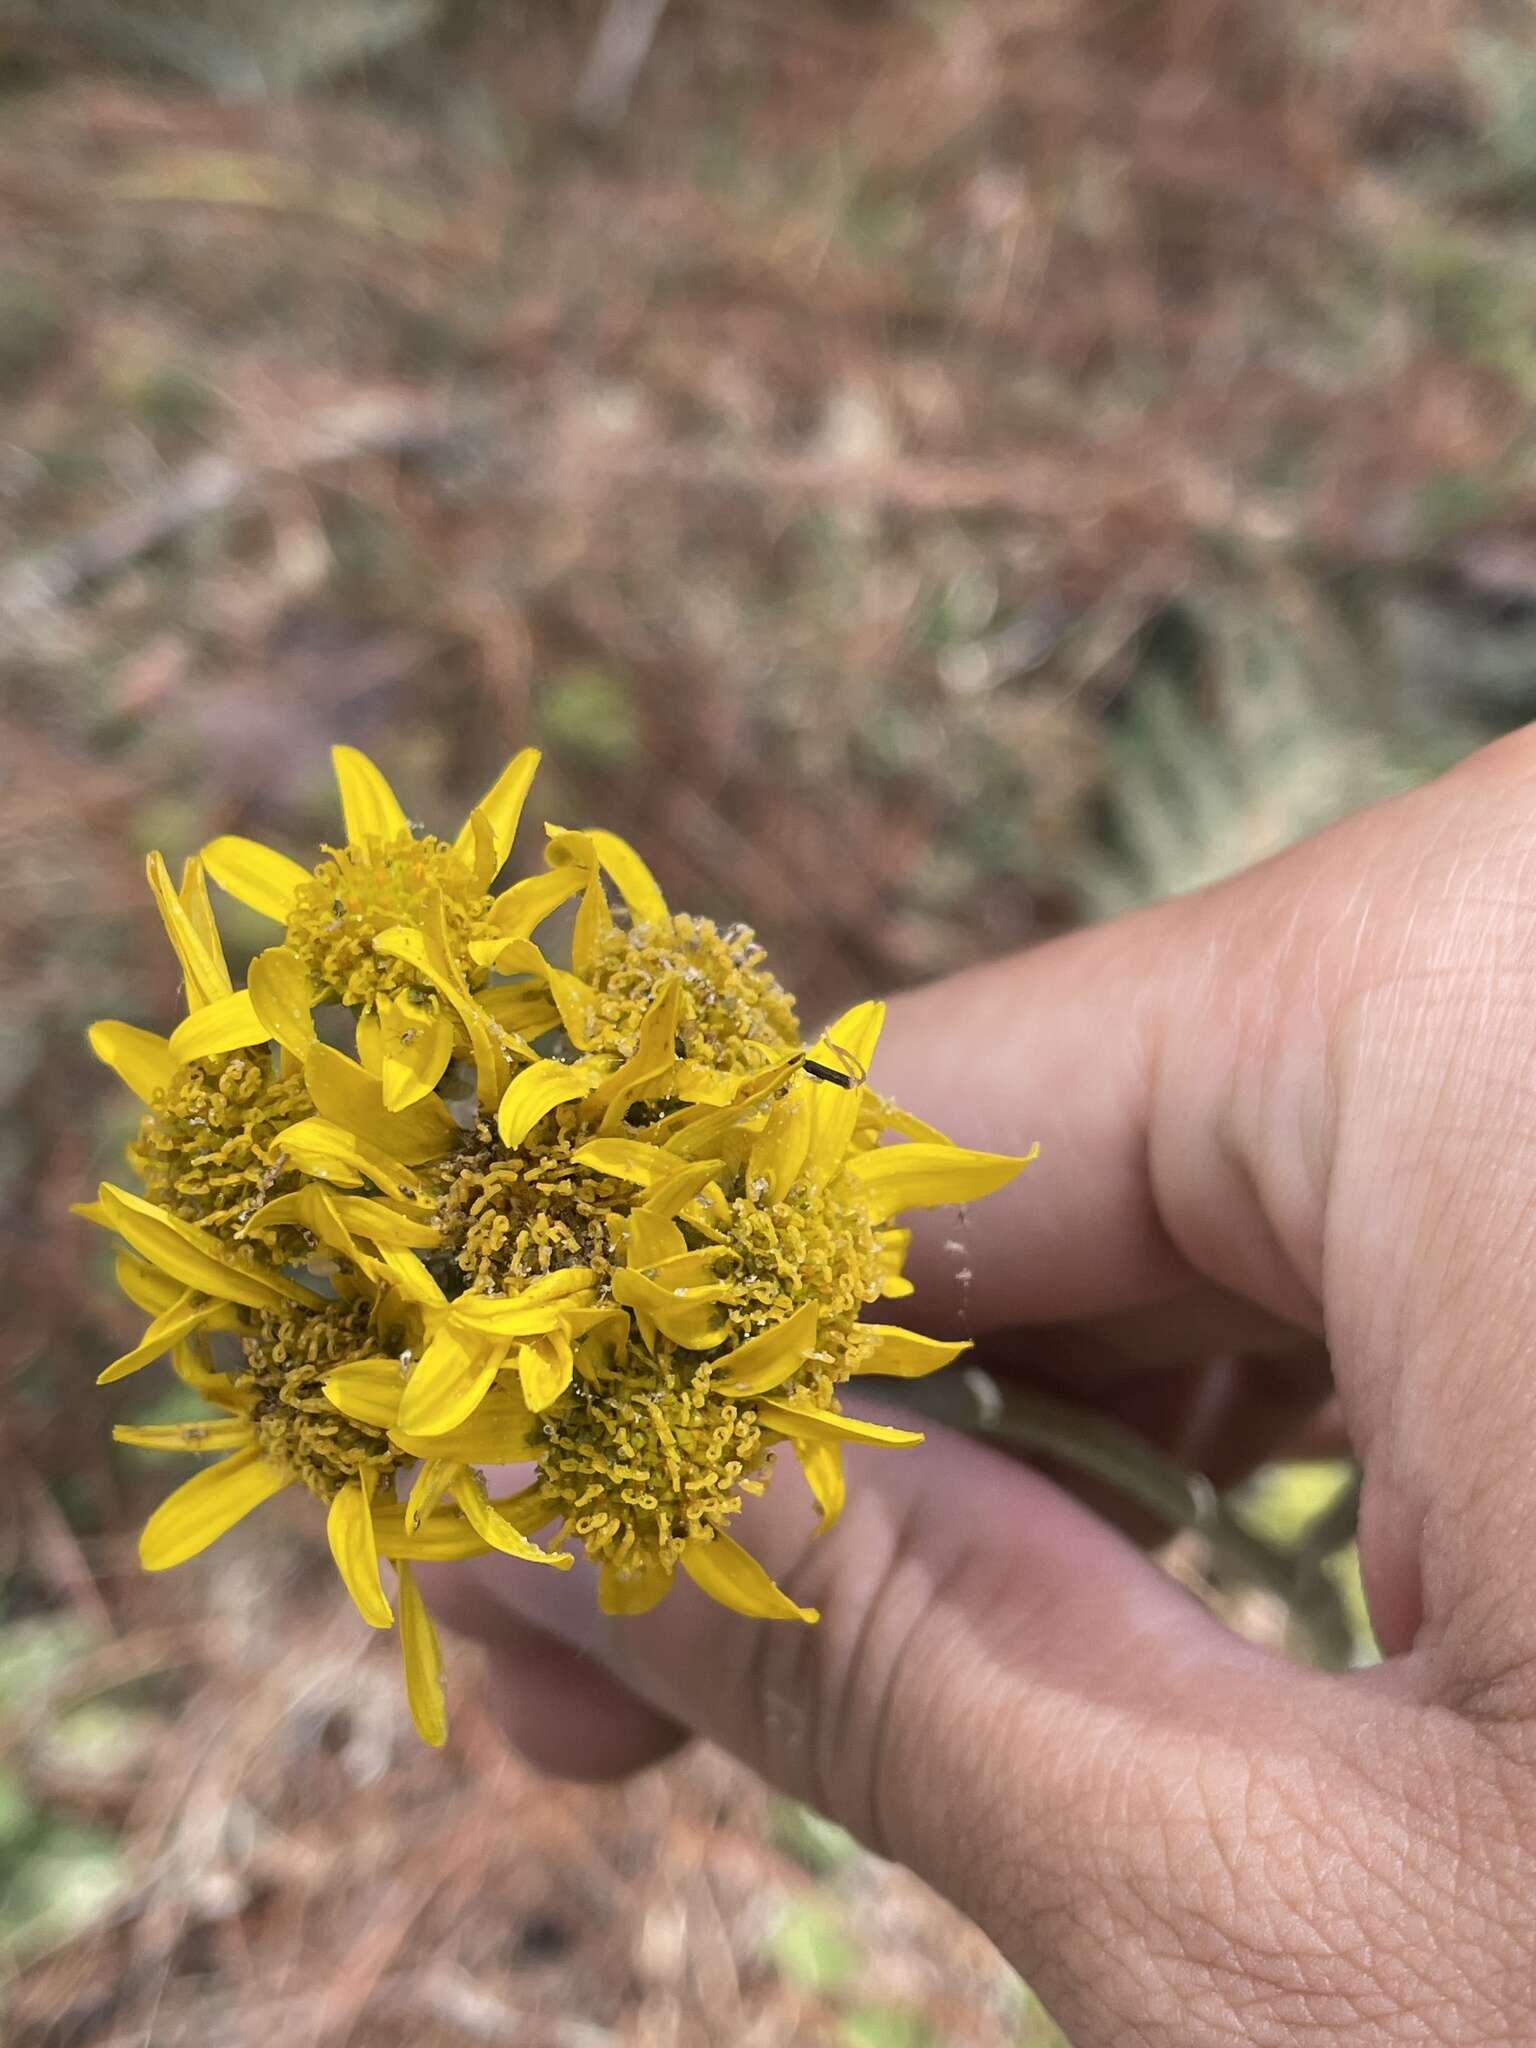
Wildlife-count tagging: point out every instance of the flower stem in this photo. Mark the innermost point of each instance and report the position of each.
(1029, 1424)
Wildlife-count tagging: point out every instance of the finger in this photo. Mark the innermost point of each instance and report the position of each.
(1172, 1066)
(1009, 1698)
(1221, 1418)
(556, 1705)
(1311, 1077)
(1217, 1413)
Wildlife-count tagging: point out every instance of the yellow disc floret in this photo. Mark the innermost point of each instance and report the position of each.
(814, 1244)
(507, 1216)
(733, 1016)
(648, 1450)
(641, 1465)
(209, 1149)
(287, 1359)
(363, 890)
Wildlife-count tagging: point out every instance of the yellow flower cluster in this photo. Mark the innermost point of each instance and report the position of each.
(609, 1220)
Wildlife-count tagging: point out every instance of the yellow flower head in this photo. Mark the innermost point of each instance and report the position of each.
(637, 1265)
(208, 1146)
(385, 879)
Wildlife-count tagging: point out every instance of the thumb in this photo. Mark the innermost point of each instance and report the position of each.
(1004, 1695)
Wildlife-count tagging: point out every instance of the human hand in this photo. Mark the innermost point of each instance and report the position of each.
(1286, 1123)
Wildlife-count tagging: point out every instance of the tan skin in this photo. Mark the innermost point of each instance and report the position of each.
(1287, 1124)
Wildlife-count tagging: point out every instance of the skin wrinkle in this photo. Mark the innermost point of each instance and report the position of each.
(1320, 1966)
(901, 1667)
(813, 1668)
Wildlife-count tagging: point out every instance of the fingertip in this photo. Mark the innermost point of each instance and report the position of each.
(557, 1706)
(567, 1717)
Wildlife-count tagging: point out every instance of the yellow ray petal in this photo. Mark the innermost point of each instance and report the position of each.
(537, 1306)
(892, 1245)
(500, 1432)
(646, 1070)
(354, 1546)
(767, 1360)
(673, 1194)
(196, 1257)
(500, 1533)
(427, 951)
(599, 1351)
(448, 1381)
(632, 1592)
(545, 1370)
(919, 1176)
(624, 867)
(222, 1433)
(145, 1285)
(324, 1149)
(847, 1044)
(527, 1510)
(224, 1025)
(890, 1118)
(188, 1313)
(496, 1319)
(575, 1001)
(691, 1133)
(502, 809)
(583, 1319)
(538, 1089)
(204, 974)
(447, 1535)
(482, 861)
(410, 1278)
(347, 1094)
(368, 1390)
(693, 1082)
(369, 807)
(521, 909)
(280, 992)
(631, 877)
(902, 1354)
(691, 1318)
(440, 1540)
(779, 1150)
(686, 1269)
(594, 923)
(629, 1159)
(194, 901)
(734, 1577)
(521, 1009)
(822, 1465)
(322, 1210)
(370, 1044)
(849, 1041)
(649, 1238)
(421, 1657)
(432, 1481)
(823, 1426)
(385, 1227)
(255, 875)
(192, 1366)
(205, 1506)
(415, 1048)
(141, 1058)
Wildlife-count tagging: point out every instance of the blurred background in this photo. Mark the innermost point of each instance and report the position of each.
(932, 472)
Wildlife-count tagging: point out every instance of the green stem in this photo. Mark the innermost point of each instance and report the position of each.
(1034, 1425)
